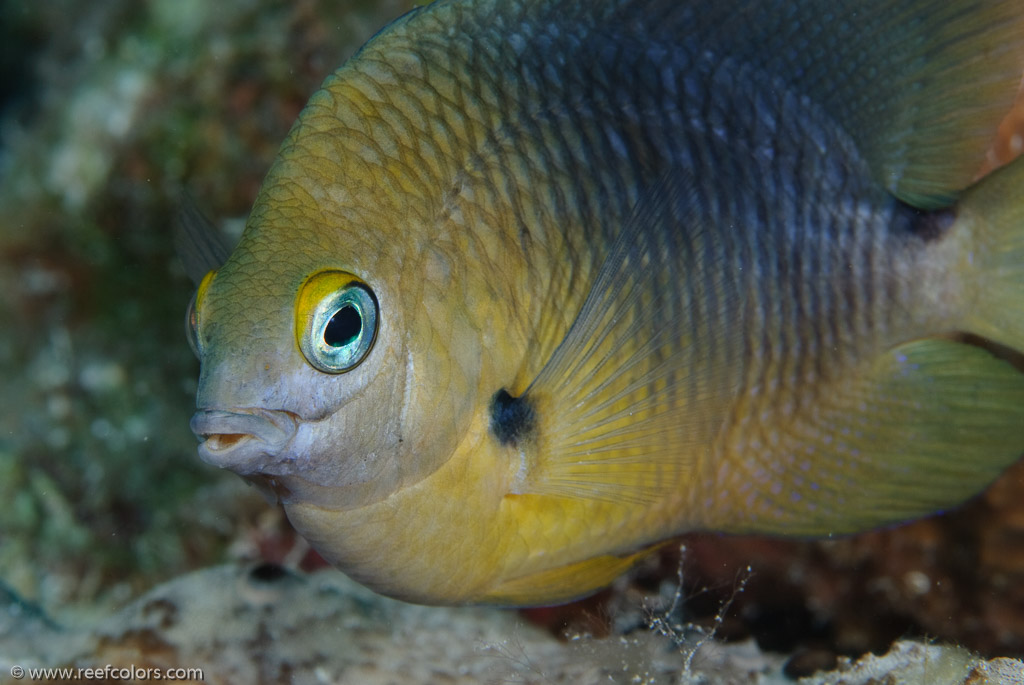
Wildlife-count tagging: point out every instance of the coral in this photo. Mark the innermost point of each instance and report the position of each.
(264, 625)
(914, 662)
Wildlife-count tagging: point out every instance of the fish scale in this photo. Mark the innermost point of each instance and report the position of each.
(624, 269)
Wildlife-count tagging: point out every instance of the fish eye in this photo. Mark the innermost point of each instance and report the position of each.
(336, 321)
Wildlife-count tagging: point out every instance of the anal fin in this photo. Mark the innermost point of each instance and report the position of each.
(920, 429)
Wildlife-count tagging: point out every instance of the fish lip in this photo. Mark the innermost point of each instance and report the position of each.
(245, 440)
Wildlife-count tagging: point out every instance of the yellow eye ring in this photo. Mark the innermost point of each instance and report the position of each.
(192, 315)
(336, 317)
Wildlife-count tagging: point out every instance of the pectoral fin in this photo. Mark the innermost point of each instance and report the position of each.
(639, 385)
(200, 246)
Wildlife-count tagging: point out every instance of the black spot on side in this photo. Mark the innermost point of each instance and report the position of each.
(931, 225)
(512, 418)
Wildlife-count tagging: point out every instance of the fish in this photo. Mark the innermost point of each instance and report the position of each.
(534, 286)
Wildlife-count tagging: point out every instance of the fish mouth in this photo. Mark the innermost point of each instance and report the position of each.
(246, 441)
(269, 448)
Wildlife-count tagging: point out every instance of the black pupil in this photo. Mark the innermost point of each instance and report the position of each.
(343, 327)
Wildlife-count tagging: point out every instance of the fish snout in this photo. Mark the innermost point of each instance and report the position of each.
(246, 441)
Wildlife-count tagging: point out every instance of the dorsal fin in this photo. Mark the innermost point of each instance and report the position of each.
(921, 86)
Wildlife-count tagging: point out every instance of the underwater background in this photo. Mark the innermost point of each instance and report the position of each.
(108, 112)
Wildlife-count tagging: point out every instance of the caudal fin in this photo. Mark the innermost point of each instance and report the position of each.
(993, 212)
